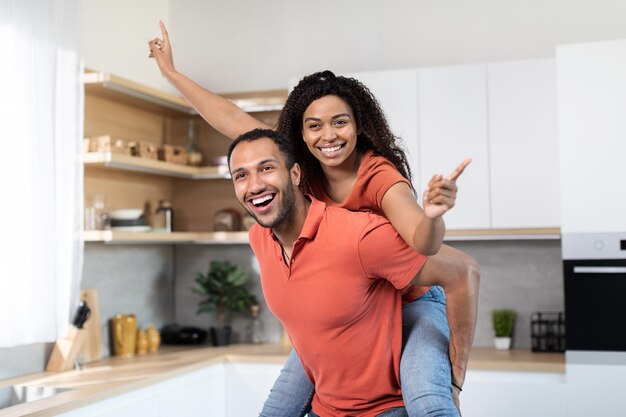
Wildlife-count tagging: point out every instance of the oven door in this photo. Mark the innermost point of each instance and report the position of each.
(595, 304)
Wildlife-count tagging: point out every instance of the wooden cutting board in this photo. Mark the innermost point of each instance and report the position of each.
(92, 344)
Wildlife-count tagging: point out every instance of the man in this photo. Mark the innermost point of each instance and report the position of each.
(332, 277)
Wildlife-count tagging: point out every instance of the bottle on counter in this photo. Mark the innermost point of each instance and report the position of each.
(256, 329)
(142, 342)
(166, 214)
(154, 338)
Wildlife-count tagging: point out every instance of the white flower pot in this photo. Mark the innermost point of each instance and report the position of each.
(502, 343)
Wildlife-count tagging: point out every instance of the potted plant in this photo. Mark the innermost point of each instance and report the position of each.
(503, 326)
(223, 290)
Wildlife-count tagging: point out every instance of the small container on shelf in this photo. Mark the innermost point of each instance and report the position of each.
(547, 331)
(144, 150)
(106, 143)
(164, 220)
(173, 153)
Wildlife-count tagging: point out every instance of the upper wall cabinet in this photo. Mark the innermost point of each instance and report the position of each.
(523, 149)
(396, 92)
(503, 116)
(452, 127)
(592, 136)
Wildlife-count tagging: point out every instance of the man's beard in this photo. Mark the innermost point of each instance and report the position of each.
(286, 211)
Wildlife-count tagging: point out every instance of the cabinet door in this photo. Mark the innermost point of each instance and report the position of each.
(591, 80)
(513, 394)
(142, 402)
(452, 127)
(197, 394)
(396, 92)
(523, 144)
(247, 387)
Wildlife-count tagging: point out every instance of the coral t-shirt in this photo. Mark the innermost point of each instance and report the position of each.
(375, 177)
(339, 301)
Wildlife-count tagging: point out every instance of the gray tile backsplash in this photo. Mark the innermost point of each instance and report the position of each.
(524, 275)
(131, 279)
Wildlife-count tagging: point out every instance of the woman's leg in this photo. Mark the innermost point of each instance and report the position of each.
(425, 372)
(292, 392)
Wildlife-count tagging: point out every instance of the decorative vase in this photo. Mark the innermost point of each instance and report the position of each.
(502, 343)
(220, 337)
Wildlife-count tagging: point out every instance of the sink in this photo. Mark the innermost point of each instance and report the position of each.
(20, 394)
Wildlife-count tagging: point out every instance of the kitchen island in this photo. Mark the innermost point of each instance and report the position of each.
(228, 369)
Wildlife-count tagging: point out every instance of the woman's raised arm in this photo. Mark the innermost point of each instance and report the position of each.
(219, 112)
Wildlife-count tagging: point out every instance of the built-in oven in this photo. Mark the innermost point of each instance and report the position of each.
(595, 291)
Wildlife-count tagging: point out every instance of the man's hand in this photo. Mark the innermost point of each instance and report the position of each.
(161, 51)
(440, 194)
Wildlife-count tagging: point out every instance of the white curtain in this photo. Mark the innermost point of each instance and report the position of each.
(40, 169)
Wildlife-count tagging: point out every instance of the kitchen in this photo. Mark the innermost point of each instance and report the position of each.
(525, 274)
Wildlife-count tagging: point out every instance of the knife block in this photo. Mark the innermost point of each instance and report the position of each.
(66, 350)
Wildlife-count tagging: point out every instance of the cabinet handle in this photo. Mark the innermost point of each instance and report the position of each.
(600, 270)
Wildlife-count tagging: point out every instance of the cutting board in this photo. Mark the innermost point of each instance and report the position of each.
(92, 344)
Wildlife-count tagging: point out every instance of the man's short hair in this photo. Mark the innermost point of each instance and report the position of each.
(283, 144)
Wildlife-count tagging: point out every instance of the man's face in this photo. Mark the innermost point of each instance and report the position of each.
(263, 184)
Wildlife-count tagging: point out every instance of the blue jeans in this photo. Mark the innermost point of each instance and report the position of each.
(425, 371)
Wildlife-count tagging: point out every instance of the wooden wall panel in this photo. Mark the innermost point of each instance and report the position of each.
(125, 189)
(105, 117)
(196, 202)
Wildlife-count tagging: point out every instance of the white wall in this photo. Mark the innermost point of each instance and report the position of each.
(116, 34)
(244, 45)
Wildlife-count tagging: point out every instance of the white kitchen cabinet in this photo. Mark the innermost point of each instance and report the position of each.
(514, 394)
(396, 92)
(452, 127)
(199, 393)
(523, 144)
(247, 387)
(141, 402)
(195, 394)
(591, 81)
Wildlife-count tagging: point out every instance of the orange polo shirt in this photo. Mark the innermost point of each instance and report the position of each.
(375, 177)
(340, 304)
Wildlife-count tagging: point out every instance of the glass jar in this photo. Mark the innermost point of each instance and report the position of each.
(165, 216)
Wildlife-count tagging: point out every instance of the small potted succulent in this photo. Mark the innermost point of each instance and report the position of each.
(223, 290)
(503, 325)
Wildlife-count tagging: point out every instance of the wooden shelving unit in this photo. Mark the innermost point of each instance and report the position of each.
(152, 166)
(111, 87)
(205, 238)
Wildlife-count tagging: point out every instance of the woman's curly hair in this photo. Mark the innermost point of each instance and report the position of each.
(374, 132)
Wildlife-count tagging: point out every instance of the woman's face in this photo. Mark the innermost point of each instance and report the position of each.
(329, 130)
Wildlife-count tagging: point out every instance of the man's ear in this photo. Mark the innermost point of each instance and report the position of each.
(296, 174)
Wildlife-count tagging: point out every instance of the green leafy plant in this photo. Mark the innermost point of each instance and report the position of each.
(223, 289)
(503, 322)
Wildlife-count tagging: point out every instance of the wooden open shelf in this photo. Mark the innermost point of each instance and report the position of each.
(119, 89)
(219, 238)
(152, 166)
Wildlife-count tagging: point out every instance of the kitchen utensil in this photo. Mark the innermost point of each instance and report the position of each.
(124, 332)
(92, 346)
(66, 349)
(81, 315)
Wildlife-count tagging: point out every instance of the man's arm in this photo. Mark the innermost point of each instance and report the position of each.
(459, 275)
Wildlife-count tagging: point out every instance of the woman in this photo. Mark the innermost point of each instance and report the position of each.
(350, 158)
